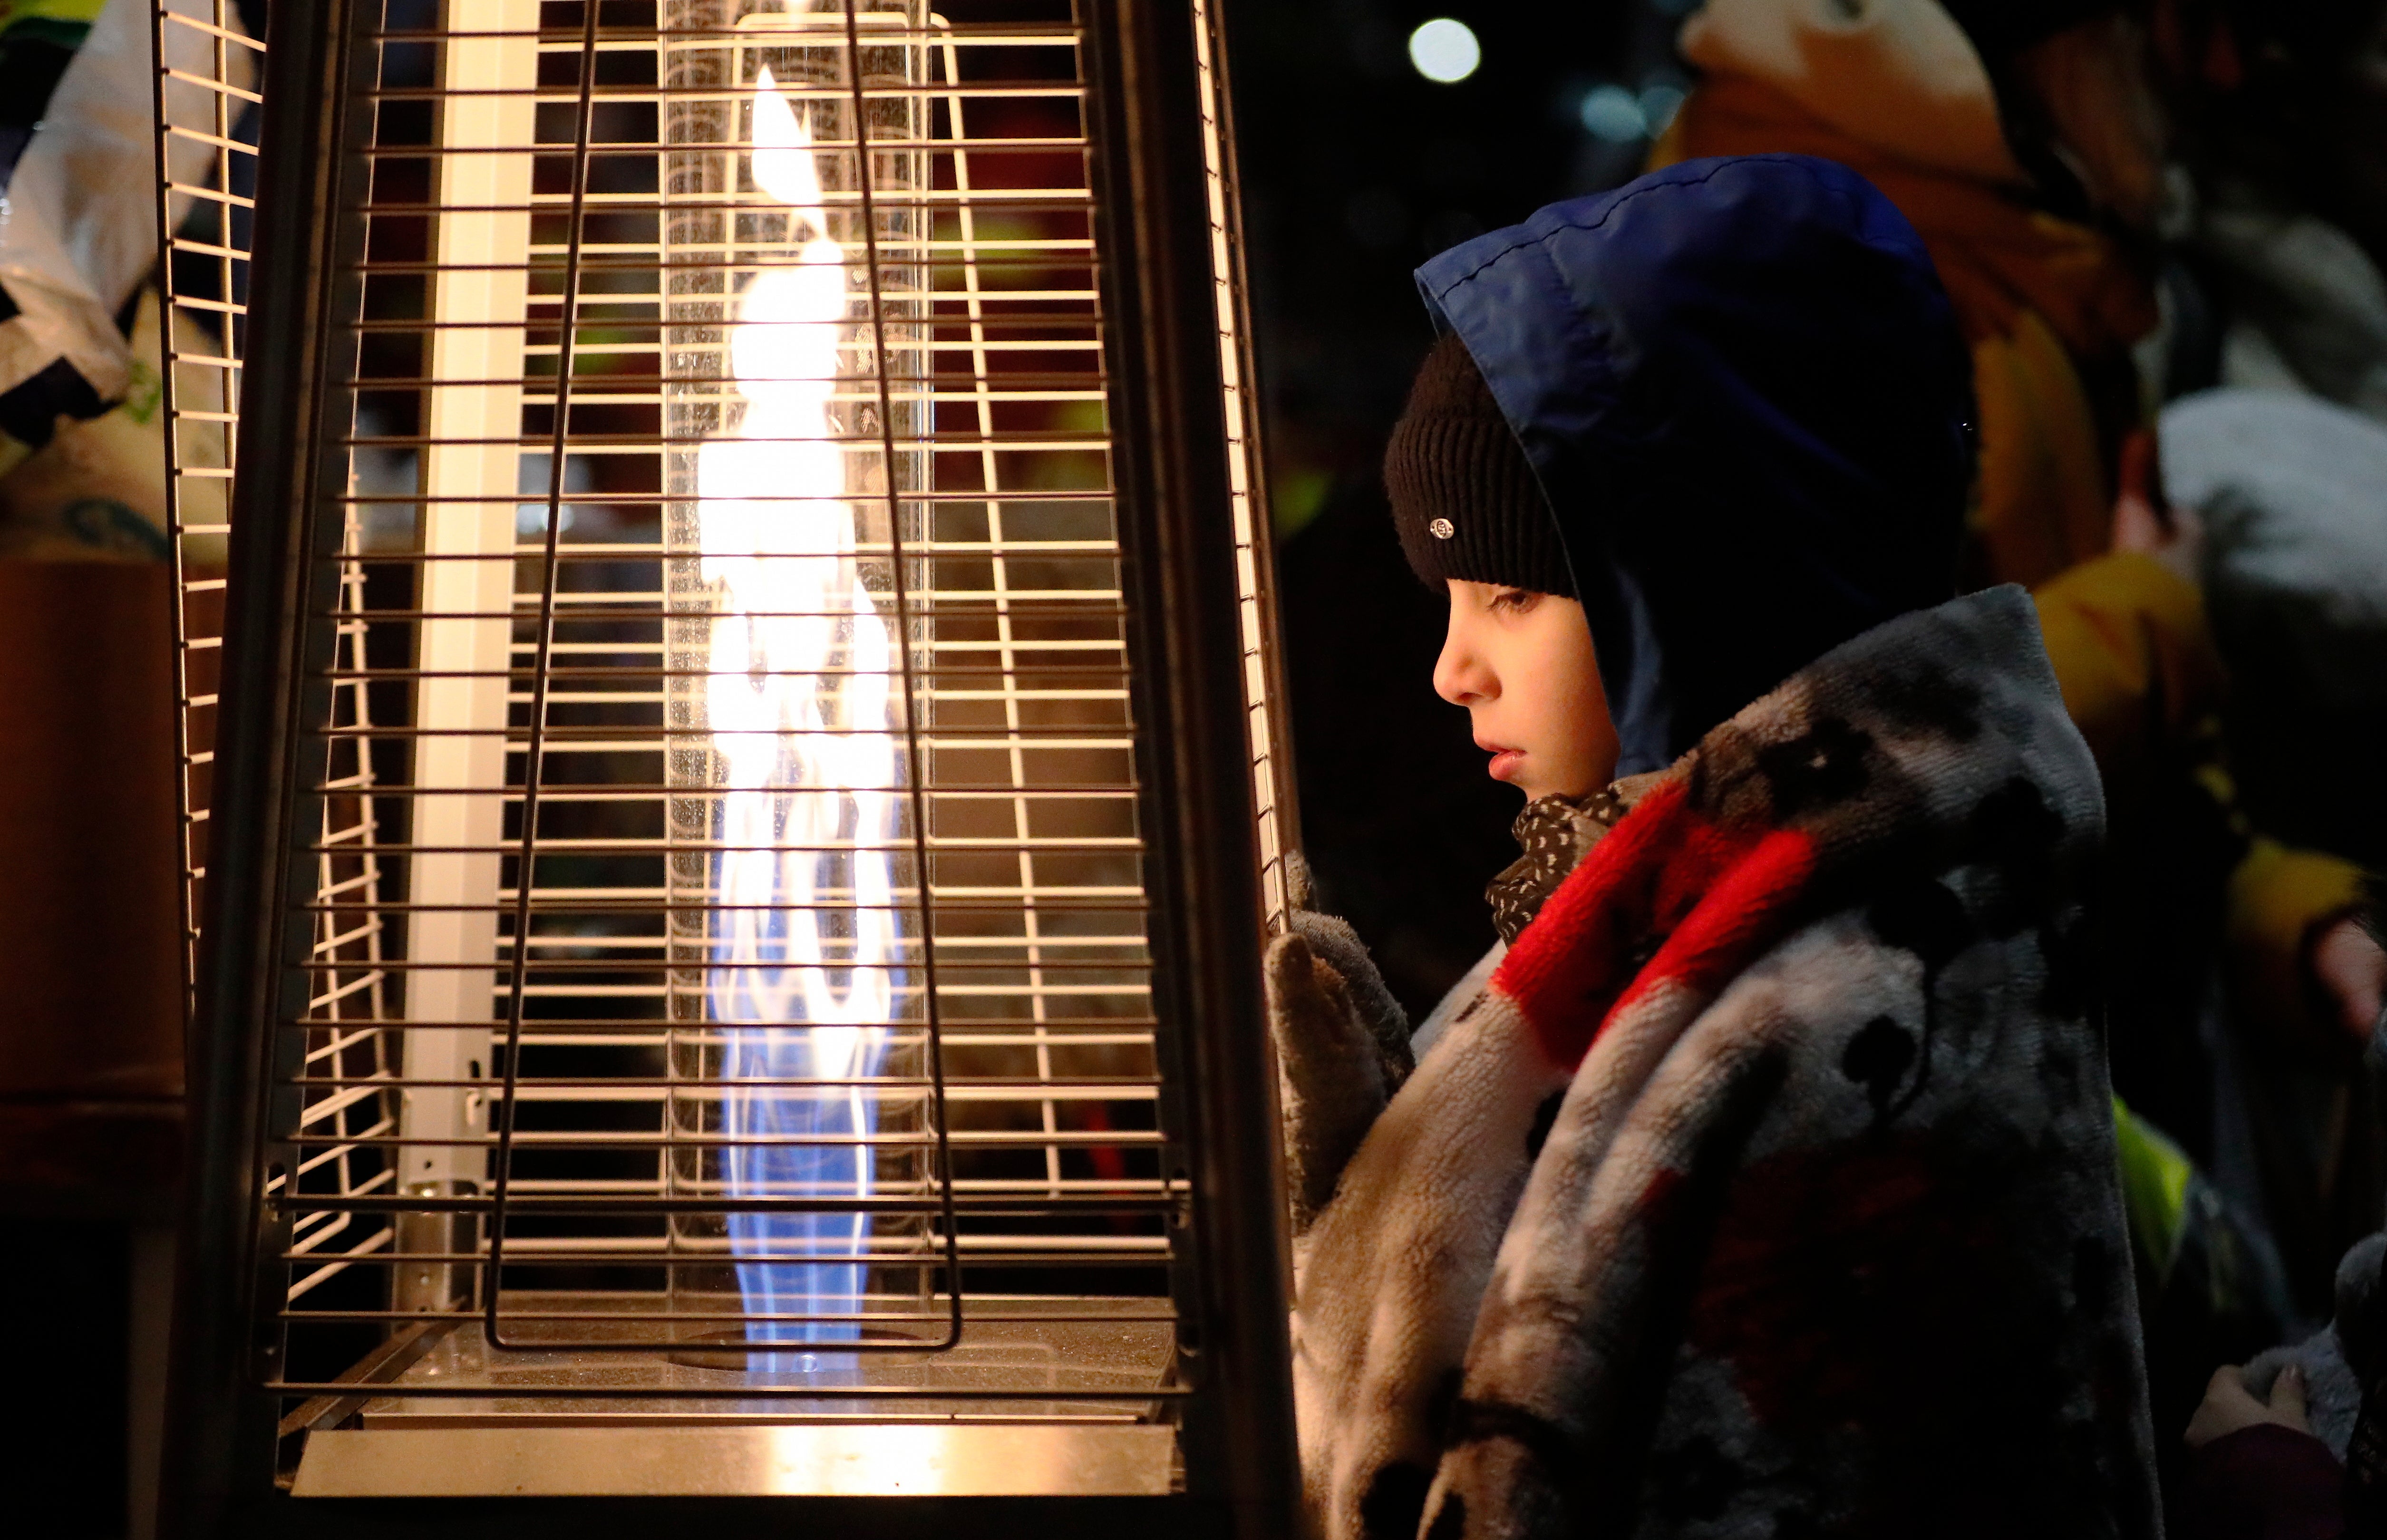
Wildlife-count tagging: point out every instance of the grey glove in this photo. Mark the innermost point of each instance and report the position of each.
(2334, 1358)
(1341, 1050)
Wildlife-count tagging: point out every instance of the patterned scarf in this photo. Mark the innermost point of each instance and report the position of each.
(1556, 833)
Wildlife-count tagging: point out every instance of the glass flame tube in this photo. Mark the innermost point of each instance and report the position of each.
(799, 711)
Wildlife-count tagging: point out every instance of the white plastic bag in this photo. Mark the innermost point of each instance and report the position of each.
(78, 230)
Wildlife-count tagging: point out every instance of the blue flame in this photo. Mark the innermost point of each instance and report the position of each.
(795, 1140)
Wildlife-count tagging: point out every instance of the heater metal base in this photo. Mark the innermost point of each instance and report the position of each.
(1041, 1397)
(905, 1460)
(1019, 1359)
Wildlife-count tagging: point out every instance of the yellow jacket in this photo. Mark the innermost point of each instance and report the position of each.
(2140, 679)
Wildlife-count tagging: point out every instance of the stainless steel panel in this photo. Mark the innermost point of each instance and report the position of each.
(915, 1460)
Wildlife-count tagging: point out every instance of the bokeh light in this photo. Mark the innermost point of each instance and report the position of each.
(1445, 50)
(1612, 113)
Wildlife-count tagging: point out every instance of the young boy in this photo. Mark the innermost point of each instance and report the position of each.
(1767, 1188)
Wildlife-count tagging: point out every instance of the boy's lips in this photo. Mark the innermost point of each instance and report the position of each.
(1505, 761)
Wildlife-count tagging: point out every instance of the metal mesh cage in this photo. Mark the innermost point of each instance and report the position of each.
(709, 980)
(208, 76)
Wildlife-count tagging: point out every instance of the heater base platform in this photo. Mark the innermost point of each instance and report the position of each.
(892, 1460)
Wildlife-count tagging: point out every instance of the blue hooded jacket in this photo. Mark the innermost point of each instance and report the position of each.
(1741, 387)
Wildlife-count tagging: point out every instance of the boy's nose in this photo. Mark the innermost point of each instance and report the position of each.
(1460, 674)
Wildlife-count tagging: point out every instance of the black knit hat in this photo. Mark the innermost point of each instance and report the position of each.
(1467, 503)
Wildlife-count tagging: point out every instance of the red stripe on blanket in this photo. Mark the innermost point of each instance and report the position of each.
(1709, 896)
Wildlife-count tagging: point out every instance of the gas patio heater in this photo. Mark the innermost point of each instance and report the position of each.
(743, 812)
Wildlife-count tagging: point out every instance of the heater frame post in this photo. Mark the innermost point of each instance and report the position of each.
(1197, 802)
(1174, 489)
(220, 1457)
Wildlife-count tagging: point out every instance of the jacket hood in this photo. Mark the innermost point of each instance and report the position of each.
(1742, 391)
(1899, 77)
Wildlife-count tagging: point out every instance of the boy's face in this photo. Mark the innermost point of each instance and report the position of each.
(1522, 665)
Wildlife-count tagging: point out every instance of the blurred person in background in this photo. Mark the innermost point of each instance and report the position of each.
(2278, 442)
(2289, 492)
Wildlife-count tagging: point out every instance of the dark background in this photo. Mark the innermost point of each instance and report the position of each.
(1356, 168)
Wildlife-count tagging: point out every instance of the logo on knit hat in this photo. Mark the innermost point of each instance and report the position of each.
(1442, 529)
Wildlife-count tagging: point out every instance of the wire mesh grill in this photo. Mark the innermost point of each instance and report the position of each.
(209, 71)
(726, 973)
(208, 76)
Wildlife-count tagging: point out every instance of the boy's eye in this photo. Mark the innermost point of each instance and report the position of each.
(1515, 601)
